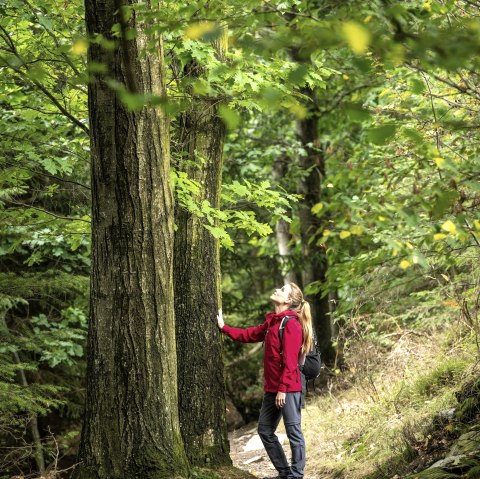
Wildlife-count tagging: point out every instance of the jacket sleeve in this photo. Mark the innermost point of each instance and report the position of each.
(254, 334)
(292, 343)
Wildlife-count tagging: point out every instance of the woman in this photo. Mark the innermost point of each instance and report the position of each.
(282, 377)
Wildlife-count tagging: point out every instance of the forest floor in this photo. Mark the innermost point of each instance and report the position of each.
(247, 452)
(360, 420)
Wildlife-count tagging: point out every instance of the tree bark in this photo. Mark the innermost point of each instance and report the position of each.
(201, 376)
(131, 426)
(37, 439)
(282, 229)
(314, 264)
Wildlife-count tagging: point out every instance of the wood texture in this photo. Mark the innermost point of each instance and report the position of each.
(201, 381)
(131, 426)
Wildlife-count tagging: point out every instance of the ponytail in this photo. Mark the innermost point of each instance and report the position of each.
(305, 317)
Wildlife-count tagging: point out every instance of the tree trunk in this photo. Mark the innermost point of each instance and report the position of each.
(37, 440)
(282, 229)
(314, 260)
(131, 426)
(201, 376)
(22, 379)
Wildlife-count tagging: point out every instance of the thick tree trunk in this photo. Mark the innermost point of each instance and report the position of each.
(314, 260)
(131, 427)
(201, 381)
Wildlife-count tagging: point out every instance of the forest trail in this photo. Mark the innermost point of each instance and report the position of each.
(355, 404)
(248, 453)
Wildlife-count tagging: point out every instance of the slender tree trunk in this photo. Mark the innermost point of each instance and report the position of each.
(37, 440)
(22, 379)
(314, 260)
(131, 426)
(282, 229)
(201, 376)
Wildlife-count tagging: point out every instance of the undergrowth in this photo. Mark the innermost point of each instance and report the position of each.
(393, 408)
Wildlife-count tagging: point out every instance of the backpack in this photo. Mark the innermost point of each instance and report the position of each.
(313, 363)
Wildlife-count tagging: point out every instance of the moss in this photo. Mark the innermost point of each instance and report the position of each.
(445, 374)
(213, 456)
(152, 464)
(85, 472)
(474, 473)
(434, 473)
(220, 473)
(200, 473)
(466, 443)
(461, 466)
(468, 409)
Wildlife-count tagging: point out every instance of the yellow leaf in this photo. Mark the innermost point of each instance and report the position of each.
(197, 30)
(440, 162)
(439, 236)
(477, 224)
(382, 218)
(451, 304)
(345, 77)
(344, 234)
(357, 230)
(394, 252)
(445, 277)
(326, 233)
(409, 245)
(237, 53)
(404, 264)
(317, 208)
(357, 36)
(79, 46)
(367, 19)
(298, 110)
(449, 226)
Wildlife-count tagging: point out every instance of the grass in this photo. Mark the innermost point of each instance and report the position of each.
(382, 415)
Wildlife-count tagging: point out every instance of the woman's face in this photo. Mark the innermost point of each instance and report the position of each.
(282, 295)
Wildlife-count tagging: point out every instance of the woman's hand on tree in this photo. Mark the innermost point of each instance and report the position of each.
(220, 322)
(280, 400)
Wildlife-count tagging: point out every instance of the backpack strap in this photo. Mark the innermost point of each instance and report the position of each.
(285, 320)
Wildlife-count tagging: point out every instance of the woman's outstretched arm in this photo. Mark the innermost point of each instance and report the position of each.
(254, 334)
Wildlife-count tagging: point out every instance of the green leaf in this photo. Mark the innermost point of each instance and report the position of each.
(416, 86)
(230, 117)
(298, 74)
(381, 134)
(356, 112)
(444, 199)
(413, 135)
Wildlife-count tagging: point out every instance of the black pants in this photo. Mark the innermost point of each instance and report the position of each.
(267, 424)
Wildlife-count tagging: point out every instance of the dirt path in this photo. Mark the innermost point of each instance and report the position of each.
(247, 452)
(335, 421)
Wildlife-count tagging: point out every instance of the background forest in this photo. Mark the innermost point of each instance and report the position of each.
(348, 155)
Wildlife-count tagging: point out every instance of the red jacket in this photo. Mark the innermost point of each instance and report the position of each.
(281, 373)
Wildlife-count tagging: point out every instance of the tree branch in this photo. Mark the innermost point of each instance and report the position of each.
(18, 203)
(48, 94)
(466, 90)
(54, 38)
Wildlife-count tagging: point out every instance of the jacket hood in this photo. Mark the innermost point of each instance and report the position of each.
(275, 317)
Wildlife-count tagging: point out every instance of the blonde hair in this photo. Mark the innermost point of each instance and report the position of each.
(305, 316)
